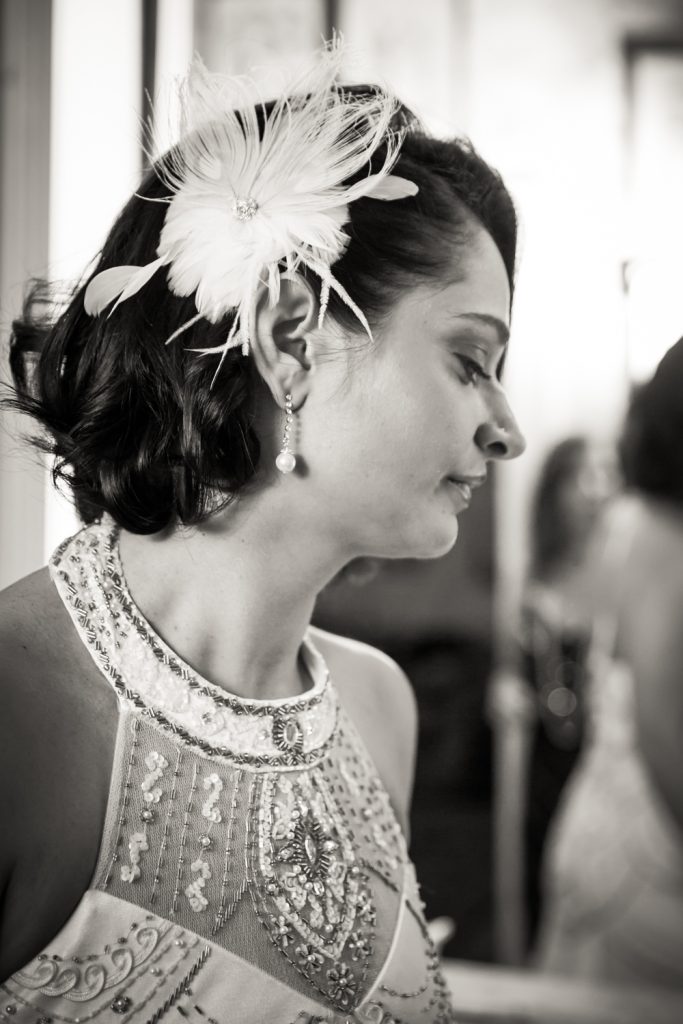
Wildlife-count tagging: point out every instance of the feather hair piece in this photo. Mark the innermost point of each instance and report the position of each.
(247, 200)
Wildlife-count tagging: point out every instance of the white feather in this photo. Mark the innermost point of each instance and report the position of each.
(389, 188)
(315, 138)
(105, 287)
(185, 327)
(137, 280)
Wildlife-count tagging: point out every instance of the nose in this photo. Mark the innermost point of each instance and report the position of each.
(500, 437)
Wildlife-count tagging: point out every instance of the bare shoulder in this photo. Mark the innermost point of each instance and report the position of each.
(30, 625)
(368, 679)
(51, 693)
(49, 685)
(379, 699)
(37, 641)
(57, 730)
(17, 600)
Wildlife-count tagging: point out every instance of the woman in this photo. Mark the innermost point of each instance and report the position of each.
(216, 827)
(614, 871)
(570, 500)
(538, 704)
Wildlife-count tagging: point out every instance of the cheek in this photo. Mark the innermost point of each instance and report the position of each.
(394, 436)
(442, 423)
(416, 440)
(397, 423)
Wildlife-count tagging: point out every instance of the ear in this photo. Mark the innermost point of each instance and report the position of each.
(282, 343)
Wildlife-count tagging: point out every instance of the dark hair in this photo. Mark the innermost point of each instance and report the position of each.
(551, 534)
(135, 425)
(651, 443)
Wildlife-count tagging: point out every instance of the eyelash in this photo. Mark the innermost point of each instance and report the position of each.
(473, 370)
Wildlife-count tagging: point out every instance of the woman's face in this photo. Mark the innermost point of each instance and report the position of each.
(392, 438)
(585, 494)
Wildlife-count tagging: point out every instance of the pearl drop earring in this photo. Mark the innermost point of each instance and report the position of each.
(286, 461)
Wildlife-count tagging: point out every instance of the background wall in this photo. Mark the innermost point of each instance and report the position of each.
(25, 49)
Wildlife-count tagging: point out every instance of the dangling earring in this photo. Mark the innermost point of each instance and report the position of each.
(286, 461)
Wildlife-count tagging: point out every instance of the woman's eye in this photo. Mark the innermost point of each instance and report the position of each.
(473, 371)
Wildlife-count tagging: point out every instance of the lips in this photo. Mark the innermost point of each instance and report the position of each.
(464, 485)
(464, 489)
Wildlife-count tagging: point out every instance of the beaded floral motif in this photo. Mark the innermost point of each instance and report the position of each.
(308, 862)
(334, 788)
(342, 984)
(309, 874)
(309, 958)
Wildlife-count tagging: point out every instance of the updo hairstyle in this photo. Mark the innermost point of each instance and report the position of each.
(135, 425)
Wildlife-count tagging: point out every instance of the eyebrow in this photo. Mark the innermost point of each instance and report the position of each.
(502, 330)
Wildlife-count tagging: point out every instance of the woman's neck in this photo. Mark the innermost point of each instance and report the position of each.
(233, 597)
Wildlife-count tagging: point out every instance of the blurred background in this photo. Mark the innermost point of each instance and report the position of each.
(580, 107)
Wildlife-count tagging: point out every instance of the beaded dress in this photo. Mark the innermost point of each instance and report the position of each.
(614, 864)
(251, 868)
(614, 870)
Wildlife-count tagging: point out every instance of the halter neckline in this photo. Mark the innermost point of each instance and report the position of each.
(148, 675)
(313, 659)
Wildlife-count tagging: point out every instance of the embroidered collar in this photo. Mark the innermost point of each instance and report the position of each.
(290, 732)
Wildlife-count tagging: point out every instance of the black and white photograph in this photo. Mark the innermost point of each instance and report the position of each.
(341, 511)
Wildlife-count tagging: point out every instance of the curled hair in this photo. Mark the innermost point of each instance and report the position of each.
(651, 444)
(135, 425)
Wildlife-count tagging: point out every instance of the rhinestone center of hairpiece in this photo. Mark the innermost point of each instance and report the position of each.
(244, 208)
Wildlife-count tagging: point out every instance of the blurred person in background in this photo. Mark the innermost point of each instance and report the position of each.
(613, 901)
(537, 704)
(206, 799)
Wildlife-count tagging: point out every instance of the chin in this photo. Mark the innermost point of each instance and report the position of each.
(431, 544)
(428, 533)
(439, 550)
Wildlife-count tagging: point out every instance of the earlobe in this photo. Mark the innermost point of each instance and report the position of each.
(282, 344)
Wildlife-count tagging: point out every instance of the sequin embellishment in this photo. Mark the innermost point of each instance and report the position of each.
(312, 888)
(277, 811)
(137, 844)
(185, 706)
(151, 794)
(200, 868)
(156, 764)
